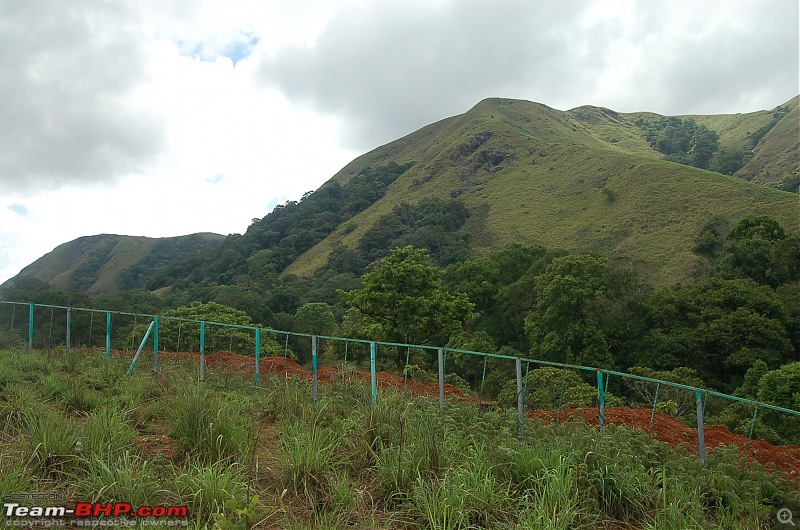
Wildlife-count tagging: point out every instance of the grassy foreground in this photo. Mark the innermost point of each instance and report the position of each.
(76, 426)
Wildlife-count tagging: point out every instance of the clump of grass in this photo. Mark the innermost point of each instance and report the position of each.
(205, 488)
(211, 428)
(107, 433)
(551, 498)
(71, 393)
(14, 476)
(17, 401)
(468, 495)
(312, 455)
(125, 477)
(52, 442)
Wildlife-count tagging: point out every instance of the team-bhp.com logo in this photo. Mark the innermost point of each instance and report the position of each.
(94, 514)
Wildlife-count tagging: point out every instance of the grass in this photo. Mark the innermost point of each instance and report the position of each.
(273, 457)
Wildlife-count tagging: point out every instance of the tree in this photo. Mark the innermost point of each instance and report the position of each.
(316, 318)
(647, 392)
(561, 327)
(759, 248)
(402, 300)
(176, 334)
(717, 327)
(501, 287)
(550, 388)
(781, 387)
(468, 366)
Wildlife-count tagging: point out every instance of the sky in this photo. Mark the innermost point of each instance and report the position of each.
(168, 117)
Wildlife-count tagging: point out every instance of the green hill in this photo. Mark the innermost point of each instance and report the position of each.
(105, 264)
(585, 179)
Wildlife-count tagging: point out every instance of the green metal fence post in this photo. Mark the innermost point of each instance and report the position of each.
(440, 353)
(30, 327)
(108, 333)
(258, 356)
(202, 351)
(601, 400)
(141, 347)
(701, 435)
(750, 436)
(373, 361)
(520, 400)
(155, 346)
(69, 325)
(314, 376)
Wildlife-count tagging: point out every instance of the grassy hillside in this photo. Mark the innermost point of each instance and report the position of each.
(578, 180)
(777, 154)
(104, 264)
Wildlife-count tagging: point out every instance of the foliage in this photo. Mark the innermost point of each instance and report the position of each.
(316, 318)
(759, 248)
(403, 301)
(573, 298)
(243, 514)
(716, 327)
(682, 141)
(501, 287)
(549, 388)
(433, 224)
(781, 387)
(681, 401)
(468, 366)
(179, 330)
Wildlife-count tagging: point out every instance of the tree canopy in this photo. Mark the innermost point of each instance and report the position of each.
(402, 300)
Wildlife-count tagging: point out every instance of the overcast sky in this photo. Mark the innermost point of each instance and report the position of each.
(162, 118)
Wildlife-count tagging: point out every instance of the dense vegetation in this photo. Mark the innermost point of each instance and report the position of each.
(732, 329)
(240, 459)
(686, 142)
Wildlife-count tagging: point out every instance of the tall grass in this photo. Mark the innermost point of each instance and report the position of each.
(346, 463)
(124, 477)
(210, 428)
(107, 432)
(52, 443)
(205, 488)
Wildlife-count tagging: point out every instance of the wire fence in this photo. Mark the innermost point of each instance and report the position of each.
(548, 391)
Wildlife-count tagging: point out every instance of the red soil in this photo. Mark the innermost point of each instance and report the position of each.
(665, 428)
(670, 430)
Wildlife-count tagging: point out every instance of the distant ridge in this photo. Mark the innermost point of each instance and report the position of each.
(104, 264)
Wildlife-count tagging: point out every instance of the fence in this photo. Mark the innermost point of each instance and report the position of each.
(552, 393)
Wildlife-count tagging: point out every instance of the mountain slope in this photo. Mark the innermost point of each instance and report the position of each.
(579, 180)
(104, 264)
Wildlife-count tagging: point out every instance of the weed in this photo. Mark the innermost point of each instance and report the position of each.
(52, 442)
(124, 477)
(205, 488)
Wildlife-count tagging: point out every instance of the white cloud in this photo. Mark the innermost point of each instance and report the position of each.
(67, 70)
(163, 118)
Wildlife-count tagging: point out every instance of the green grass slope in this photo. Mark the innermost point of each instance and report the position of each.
(777, 154)
(582, 180)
